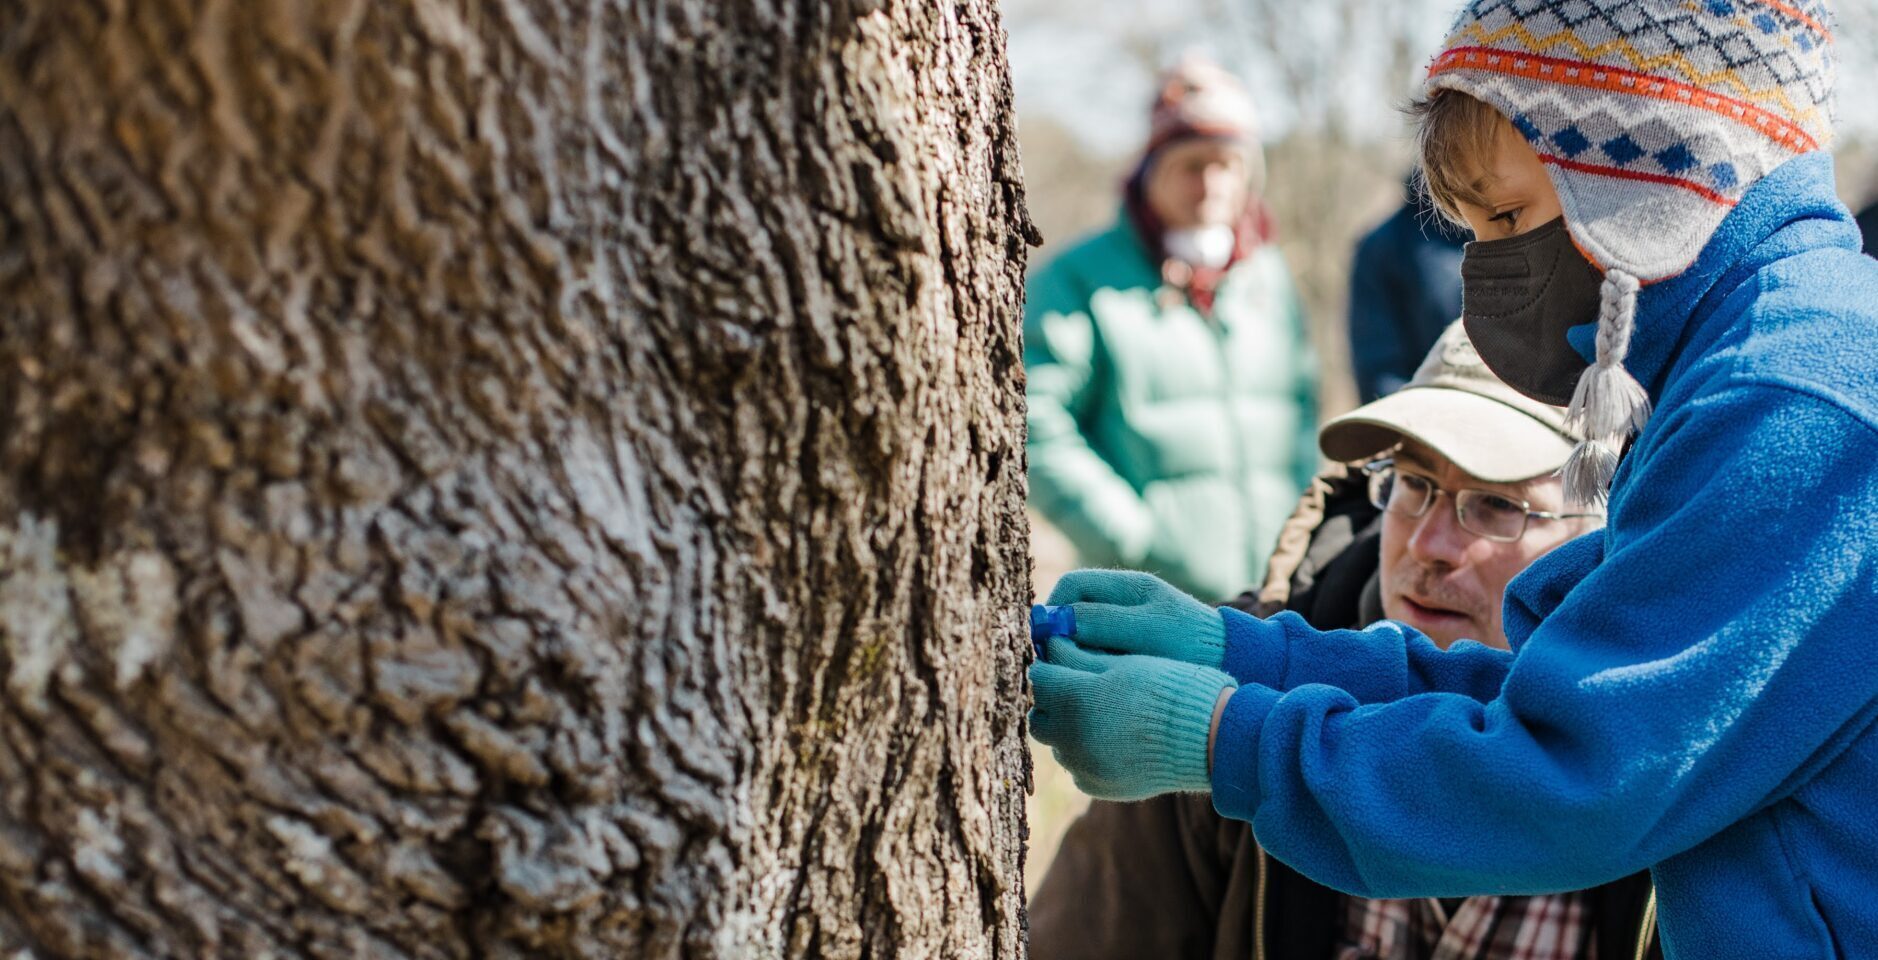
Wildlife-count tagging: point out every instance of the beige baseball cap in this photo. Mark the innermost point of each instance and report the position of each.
(1455, 406)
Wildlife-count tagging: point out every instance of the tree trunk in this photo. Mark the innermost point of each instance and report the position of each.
(510, 478)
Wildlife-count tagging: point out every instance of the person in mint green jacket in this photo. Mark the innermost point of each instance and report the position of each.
(1172, 386)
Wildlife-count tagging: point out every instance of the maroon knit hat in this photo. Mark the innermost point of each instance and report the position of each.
(1198, 98)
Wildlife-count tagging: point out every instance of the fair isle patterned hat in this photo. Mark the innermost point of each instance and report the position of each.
(1653, 118)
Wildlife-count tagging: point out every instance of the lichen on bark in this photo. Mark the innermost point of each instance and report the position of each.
(510, 478)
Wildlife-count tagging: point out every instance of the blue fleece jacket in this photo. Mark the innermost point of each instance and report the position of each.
(1692, 689)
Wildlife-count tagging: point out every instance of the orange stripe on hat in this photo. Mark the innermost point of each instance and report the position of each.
(1579, 73)
(1797, 14)
(1644, 175)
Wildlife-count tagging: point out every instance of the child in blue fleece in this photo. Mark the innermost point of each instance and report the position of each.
(1693, 689)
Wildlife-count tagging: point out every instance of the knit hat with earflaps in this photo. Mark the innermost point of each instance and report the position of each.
(1653, 118)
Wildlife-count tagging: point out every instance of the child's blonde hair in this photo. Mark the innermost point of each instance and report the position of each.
(1455, 134)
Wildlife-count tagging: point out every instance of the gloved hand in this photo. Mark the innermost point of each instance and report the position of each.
(1128, 612)
(1126, 727)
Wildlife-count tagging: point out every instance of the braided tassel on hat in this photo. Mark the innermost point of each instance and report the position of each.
(1609, 404)
(1654, 118)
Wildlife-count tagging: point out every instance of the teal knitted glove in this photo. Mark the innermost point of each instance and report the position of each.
(1129, 612)
(1126, 727)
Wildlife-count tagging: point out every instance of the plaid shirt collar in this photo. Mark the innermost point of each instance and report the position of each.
(1554, 927)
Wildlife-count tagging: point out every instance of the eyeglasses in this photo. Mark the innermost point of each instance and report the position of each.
(1492, 516)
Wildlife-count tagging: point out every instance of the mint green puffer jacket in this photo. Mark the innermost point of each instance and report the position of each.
(1160, 439)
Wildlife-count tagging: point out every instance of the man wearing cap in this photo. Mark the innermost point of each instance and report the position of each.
(1171, 386)
(1457, 494)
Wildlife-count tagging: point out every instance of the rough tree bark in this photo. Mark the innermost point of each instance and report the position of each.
(509, 478)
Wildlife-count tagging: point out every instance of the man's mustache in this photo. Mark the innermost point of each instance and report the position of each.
(1431, 589)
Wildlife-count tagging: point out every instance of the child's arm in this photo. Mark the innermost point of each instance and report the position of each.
(1387, 661)
(1716, 658)
(1137, 613)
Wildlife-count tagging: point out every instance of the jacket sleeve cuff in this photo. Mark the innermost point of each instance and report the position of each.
(1256, 650)
(1235, 775)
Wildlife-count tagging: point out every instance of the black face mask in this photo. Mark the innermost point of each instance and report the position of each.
(1518, 297)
